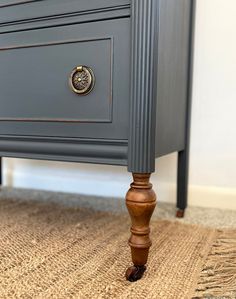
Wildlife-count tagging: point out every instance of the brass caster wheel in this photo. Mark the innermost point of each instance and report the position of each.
(134, 273)
(180, 213)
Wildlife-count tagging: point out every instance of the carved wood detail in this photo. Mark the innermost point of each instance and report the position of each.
(141, 202)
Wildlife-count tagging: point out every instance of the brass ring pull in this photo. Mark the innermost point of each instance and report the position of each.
(82, 80)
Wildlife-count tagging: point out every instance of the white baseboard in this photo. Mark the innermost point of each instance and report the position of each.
(86, 184)
(100, 185)
(200, 196)
(213, 197)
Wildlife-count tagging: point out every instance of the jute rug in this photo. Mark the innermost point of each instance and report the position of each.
(50, 251)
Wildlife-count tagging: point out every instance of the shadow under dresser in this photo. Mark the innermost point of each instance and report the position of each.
(100, 81)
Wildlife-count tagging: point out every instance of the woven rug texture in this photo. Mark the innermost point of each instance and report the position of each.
(52, 251)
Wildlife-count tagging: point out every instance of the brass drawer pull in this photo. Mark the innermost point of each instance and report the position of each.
(82, 80)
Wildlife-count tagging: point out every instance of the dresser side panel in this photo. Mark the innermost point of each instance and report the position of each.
(172, 85)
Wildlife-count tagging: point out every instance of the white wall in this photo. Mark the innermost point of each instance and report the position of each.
(213, 142)
(213, 145)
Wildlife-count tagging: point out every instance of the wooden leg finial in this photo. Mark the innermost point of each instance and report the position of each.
(180, 213)
(141, 202)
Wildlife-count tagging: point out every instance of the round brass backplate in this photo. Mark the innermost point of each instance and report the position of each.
(82, 80)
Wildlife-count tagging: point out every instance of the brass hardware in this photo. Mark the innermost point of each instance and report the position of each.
(82, 80)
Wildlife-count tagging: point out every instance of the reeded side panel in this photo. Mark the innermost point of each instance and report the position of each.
(144, 19)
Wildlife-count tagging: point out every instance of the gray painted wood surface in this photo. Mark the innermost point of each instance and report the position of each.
(65, 149)
(78, 18)
(160, 43)
(34, 15)
(144, 23)
(172, 83)
(183, 156)
(42, 71)
(42, 61)
(26, 10)
(147, 115)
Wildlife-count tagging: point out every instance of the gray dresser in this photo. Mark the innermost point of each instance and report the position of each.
(100, 81)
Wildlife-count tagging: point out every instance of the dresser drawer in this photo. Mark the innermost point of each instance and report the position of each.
(38, 74)
(44, 75)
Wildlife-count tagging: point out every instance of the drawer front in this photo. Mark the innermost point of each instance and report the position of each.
(36, 67)
(34, 80)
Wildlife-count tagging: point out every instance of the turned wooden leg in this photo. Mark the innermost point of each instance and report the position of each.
(141, 202)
